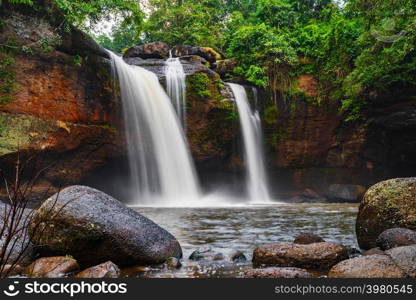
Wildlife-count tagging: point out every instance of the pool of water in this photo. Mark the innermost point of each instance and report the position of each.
(225, 229)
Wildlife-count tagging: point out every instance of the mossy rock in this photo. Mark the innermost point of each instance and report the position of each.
(388, 204)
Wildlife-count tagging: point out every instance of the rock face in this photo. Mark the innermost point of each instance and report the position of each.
(345, 192)
(94, 227)
(388, 204)
(396, 237)
(305, 238)
(63, 107)
(51, 267)
(313, 256)
(371, 266)
(105, 270)
(275, 272)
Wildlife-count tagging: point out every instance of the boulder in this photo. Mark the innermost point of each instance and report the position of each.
(51, 267)
(150, 50)
(396, 237)
(104, 270)
(312, 256)
(11, 270)
(405, 258)
(305, 238)
(370, 266)
(94, 227)
(345, 192)
(225, 66)
(205, 52)
(388, 204)
(237, 256)
(276, 272)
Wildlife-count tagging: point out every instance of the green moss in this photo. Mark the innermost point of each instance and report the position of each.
(270, 115)
(8, 83)
(17, 131)
(198, 85)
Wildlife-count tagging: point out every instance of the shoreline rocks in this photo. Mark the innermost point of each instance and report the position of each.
(305, 238)
(322, 255)
(104, 270)
(51, 267)
(94, 227)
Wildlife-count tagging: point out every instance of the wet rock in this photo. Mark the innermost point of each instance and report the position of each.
(371, 266)
(225, 66)
(173, 263)
(396, 237)
(104, 270)
(305, 238)
(51, 267)
(150, 50)
(388, 204)
(238, 256)
(405, 258)
(373, 251)
(206, 253)
(345, 192)
(94, 227)
(276, 272)
(312, 256)
(352, 251)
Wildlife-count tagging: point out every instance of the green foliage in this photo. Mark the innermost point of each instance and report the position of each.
(198, 85)
(7, 71)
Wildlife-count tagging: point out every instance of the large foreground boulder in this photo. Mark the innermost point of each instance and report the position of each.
(312, 256)
(388, 204)
(93, 227)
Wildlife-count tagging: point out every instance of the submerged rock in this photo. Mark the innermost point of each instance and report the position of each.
(51, 267)
(238, 256)
(105, 270)
(396, 237)
(388, 204)
(94, 227)
(276, 272)
(312, 256)
(371, 266)
(305, 238)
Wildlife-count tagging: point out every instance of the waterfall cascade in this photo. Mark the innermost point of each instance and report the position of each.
(162, 171)
(252, 136)
(176, 86)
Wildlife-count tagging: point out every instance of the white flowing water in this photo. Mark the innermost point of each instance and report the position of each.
(254, 157)
(176, 86)
(162, 171)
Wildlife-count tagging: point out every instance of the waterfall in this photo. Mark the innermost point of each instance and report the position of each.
(253, 150)
(176, 86)
(162, 171)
